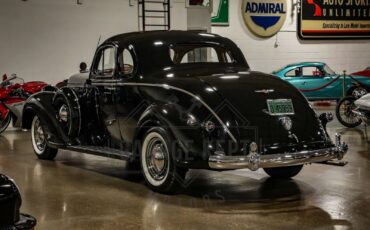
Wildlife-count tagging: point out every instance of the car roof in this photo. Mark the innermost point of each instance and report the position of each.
(151, 47)
(173, 36)
(306, 63)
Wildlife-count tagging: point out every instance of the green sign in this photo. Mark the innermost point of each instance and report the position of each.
(220, 14)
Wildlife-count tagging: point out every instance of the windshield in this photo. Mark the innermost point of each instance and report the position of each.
(328, 70)
(200, 53)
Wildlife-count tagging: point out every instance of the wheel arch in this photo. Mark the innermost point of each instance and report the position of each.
(40, 104)
(167, 117)
(27, 117)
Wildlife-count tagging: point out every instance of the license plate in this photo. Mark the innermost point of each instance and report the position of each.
(280, 107)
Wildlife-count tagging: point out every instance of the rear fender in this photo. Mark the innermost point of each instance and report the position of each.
(189, 138)
(40, 104)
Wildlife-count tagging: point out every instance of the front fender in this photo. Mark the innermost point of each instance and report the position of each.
(40, 105)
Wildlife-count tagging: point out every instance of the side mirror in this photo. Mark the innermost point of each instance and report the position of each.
(83, 67)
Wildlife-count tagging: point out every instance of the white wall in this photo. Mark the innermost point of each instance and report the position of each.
(47, 39)
(350, 55)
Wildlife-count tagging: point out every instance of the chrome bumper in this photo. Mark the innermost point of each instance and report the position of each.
(254, 161)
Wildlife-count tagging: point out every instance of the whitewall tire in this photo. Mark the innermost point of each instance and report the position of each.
(39, 144)
(159, 169)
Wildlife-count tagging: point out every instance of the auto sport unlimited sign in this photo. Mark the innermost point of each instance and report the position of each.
(334, 19)
(264, 17)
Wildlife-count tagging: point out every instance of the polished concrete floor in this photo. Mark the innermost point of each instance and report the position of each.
(78, 191)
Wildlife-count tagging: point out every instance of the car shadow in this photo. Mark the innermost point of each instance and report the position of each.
(286, 202)
(220, 193)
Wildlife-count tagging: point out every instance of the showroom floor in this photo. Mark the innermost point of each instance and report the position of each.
(78, 191)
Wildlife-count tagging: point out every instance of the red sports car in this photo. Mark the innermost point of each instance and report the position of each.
(365, 73)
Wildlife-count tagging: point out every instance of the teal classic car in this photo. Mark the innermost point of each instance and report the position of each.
(317, 81)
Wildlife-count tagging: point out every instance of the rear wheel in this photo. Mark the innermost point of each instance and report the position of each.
(157, 161)
(5, 123)
(344, 112)
(359, 92)
(283, 172)
(40, 147)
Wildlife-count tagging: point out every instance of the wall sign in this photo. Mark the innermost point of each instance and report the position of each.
(220, 14)
(264, 17)
(334, 19)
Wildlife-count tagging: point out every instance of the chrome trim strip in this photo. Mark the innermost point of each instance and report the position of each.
(104, 81)
(256, 161)
(165, 86)
(79, 111)
(265, 91)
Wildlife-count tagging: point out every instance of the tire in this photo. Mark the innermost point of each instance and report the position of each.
(283, 172)
(40, 147)
(5, 123)
(160, 172)
(344, 114)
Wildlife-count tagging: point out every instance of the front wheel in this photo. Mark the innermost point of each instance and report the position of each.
(5, 123)
(40, 147)
(344, 113)
(284, 172)
(157, 162)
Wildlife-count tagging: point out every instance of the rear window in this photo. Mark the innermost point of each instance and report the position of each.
(184, 54)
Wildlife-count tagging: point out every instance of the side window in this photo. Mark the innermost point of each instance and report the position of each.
(297, 72)
(202, 54)
(107, 63)
(126, 62)
(312, 71)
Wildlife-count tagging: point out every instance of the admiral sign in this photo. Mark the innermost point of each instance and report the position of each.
(334, 19)
(264, 17)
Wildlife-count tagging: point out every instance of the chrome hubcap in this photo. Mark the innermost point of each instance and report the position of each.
(39, 136)
(157, 159)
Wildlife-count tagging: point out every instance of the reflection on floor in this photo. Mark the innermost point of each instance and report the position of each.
(78, 191)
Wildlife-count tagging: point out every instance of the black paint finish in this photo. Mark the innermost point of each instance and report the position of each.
(113, 112)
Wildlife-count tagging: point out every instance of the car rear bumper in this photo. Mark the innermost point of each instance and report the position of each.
(254, 161)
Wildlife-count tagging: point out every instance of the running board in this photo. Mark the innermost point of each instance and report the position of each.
(101, 151)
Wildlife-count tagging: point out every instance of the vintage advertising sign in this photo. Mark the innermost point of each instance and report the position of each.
(334, 19)
(220, 14)
(264, 17)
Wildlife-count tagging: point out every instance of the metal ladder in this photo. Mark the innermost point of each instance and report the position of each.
(152, 17)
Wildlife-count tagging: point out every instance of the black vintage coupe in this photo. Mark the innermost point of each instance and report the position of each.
(171, 101)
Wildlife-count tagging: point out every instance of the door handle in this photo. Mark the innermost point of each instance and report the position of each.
(111, 88)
